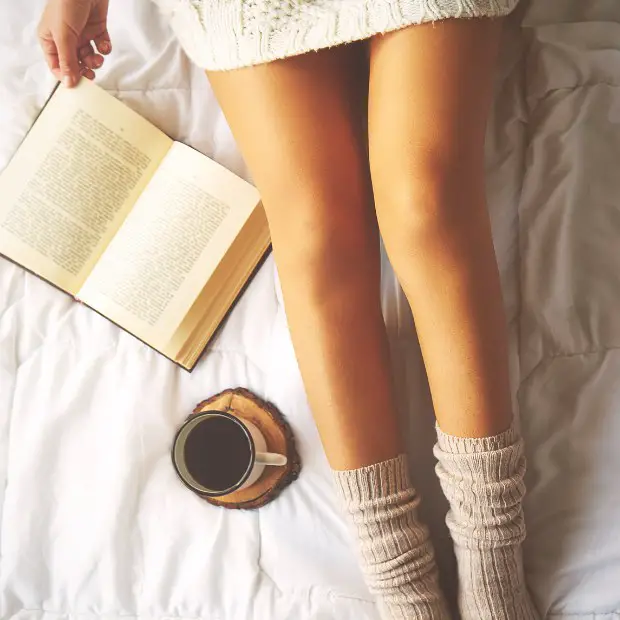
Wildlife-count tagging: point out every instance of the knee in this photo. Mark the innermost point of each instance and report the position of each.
(322, 237)
(427, 194)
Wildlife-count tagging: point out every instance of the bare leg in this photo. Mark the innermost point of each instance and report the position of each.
(430, 90)
(293, 121)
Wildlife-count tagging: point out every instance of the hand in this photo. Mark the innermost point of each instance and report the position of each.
(66, 32)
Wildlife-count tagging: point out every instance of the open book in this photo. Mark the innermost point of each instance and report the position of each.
(148, 232)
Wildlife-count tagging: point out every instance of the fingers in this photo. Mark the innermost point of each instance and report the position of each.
(65, 33)
(88, 61)
(66, 43)
(89, 74)
(88, 58)
(51, 55)
(103, 43)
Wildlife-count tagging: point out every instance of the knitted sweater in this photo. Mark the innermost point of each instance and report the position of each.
(227, 34)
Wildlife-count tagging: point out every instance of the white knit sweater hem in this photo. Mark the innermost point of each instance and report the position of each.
(229, 34)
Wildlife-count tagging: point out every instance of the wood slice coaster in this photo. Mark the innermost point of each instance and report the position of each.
(278, 435)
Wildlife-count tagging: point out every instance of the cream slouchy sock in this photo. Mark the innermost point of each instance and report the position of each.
(397, 555)
(483, 481)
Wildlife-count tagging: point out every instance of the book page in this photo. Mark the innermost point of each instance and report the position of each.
(73, 181)
(216, 299)
(170, 243)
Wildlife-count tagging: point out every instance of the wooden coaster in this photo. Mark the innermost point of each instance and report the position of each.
(278, 435)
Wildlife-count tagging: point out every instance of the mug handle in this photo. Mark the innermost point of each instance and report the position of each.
(269, 458)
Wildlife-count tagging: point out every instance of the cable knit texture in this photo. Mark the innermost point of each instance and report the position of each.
(397, 555)
(483, 481)
(227, 34)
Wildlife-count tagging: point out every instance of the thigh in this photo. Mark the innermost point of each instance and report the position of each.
(297, 123)
(429, 95)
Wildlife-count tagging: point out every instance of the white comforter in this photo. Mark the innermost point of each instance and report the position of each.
(94, 523)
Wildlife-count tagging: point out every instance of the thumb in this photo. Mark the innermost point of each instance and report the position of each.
(66, 44)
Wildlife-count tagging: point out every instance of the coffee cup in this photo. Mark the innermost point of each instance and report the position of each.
(216, 453)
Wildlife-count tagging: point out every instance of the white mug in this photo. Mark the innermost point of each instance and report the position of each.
(258, 459)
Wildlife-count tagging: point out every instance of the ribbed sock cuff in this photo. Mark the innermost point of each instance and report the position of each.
(373, 482)
(475, 445)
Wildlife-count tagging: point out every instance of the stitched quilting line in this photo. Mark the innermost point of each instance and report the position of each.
(537, 99)
(324, 593)
(6, 309)
(157, 90)
(45, 337)
(133, 90)
(549, 359)
(107, 615)
(314, 591)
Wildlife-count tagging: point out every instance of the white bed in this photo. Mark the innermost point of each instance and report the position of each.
(94, 524)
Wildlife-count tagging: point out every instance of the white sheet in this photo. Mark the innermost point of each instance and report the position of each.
(94, 523)
(570, 330)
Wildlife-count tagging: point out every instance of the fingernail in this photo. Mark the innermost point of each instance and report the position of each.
(67, 81)
(105, 47)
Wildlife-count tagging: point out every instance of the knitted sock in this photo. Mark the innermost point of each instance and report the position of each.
(483, 481)
(397, 555)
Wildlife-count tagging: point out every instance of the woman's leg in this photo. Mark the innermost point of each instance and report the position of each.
(294, 122)
(427, 116)
(430, 91)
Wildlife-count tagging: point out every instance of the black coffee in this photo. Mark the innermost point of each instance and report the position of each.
(217, 453)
